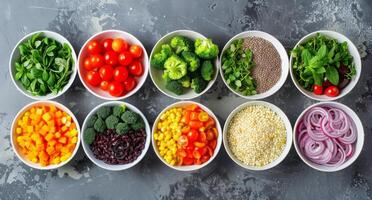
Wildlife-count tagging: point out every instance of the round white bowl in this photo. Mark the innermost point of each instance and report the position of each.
(353, 52)
(15, 56)
(156, 75)
(219, 139)
(16, 147)
(102, 164)
(358, 145)
(288, 128)
(98, 92)
(283, 57)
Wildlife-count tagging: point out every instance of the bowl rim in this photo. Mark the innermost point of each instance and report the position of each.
(29, 106)
(286, 122)
(195, 95)
(190, 168)
(357, 122)
(284, 65)
(49, 96)
(145, 64)
(121, 166)
(356, 60)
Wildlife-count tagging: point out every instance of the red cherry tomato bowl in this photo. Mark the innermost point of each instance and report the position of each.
(88, 51)
(217, 141)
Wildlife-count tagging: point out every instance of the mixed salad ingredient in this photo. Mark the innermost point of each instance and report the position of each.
(251, 65)
(186, 136)
(46, 135)
(113, 65)
(326, 136)
(115, 134)
(44, 65)
(323, 65)
(256, 135)
(186, 63)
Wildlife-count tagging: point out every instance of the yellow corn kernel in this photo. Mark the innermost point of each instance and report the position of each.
(46, 117)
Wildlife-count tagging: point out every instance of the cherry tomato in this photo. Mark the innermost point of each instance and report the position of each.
(185, 116)
(129, 84)
(96, 60)
(115, 89)
(185, 129)
(204, 159)
(181, 152)
(104, 85)
(209, 123)
(209, 151)
(196, 124)
(199, 144)
(120, 74)
(93, 78)
(213, 144)
(196, 154)
(332, 91)
(192, 135)
(87, 64)
(93, 47)
(191, 107)
(136, 51)
(194, 116)
(210, 135)
(111, 58)
(317, 89)
(203, 116)
(106, 44)
(119, 45)
(202, 137)
(188, 161)
(106, 72)
(182, 140)
(125, 58)
(136, 68)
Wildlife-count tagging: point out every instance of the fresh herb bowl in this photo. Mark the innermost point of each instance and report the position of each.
(358, 144)
(98, 92)
(188, 167)
(16, 147)
(16, 55)
(118, 167)
(156, 75)
(288, 128)
(283, 57)
(353, 52)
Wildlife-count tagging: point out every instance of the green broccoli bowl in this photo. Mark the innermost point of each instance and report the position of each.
(184, 64)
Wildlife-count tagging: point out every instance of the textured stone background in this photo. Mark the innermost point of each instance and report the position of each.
(149, 20)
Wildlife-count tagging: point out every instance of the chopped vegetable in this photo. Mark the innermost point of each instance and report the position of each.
(118, 110)
(174, 86)
(207, 70)
(138, 125)
(180, 44)
(198, 84)
(175, 67)
(99, 125)
(193, 62)
(130, 117)
(122, 128)
(91, 121)
(205, 48)
(111, 121)
(185, 81)
(89, 135)
(104, 112)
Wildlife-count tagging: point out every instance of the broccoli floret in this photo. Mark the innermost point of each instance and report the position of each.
(138, 125)
(165, 76)
(192, 60)
(118, 110)
(122, 128)
(91, 121)
(198, 84)
(111, 121)
(185, 81)
(130, 117)
(174, 86)
(104, 112)
(159, 58)
(89, 135)
(175, 67)
(99, 125)
(205, 48)
(207, 70)
(180, 43)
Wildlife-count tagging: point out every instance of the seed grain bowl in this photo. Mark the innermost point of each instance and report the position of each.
(130, 39)
(283, 58)
(356, 61)
(315, 149)
(286, 125)
(185, 104)
(156, 74)
(137, 158)
(35, 67)
(17, 148)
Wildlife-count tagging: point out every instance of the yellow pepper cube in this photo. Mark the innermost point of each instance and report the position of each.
(46, 117)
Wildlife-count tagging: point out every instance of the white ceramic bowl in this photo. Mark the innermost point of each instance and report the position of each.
(283, 57)
(288, 128)
(16, 146)
(96, 91)
(15, 56)
(358, 145)
(156, 75)
(219, 139)
(102, 164)
(353, 52)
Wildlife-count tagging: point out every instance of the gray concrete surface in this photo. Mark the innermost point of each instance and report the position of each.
(149, 20)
